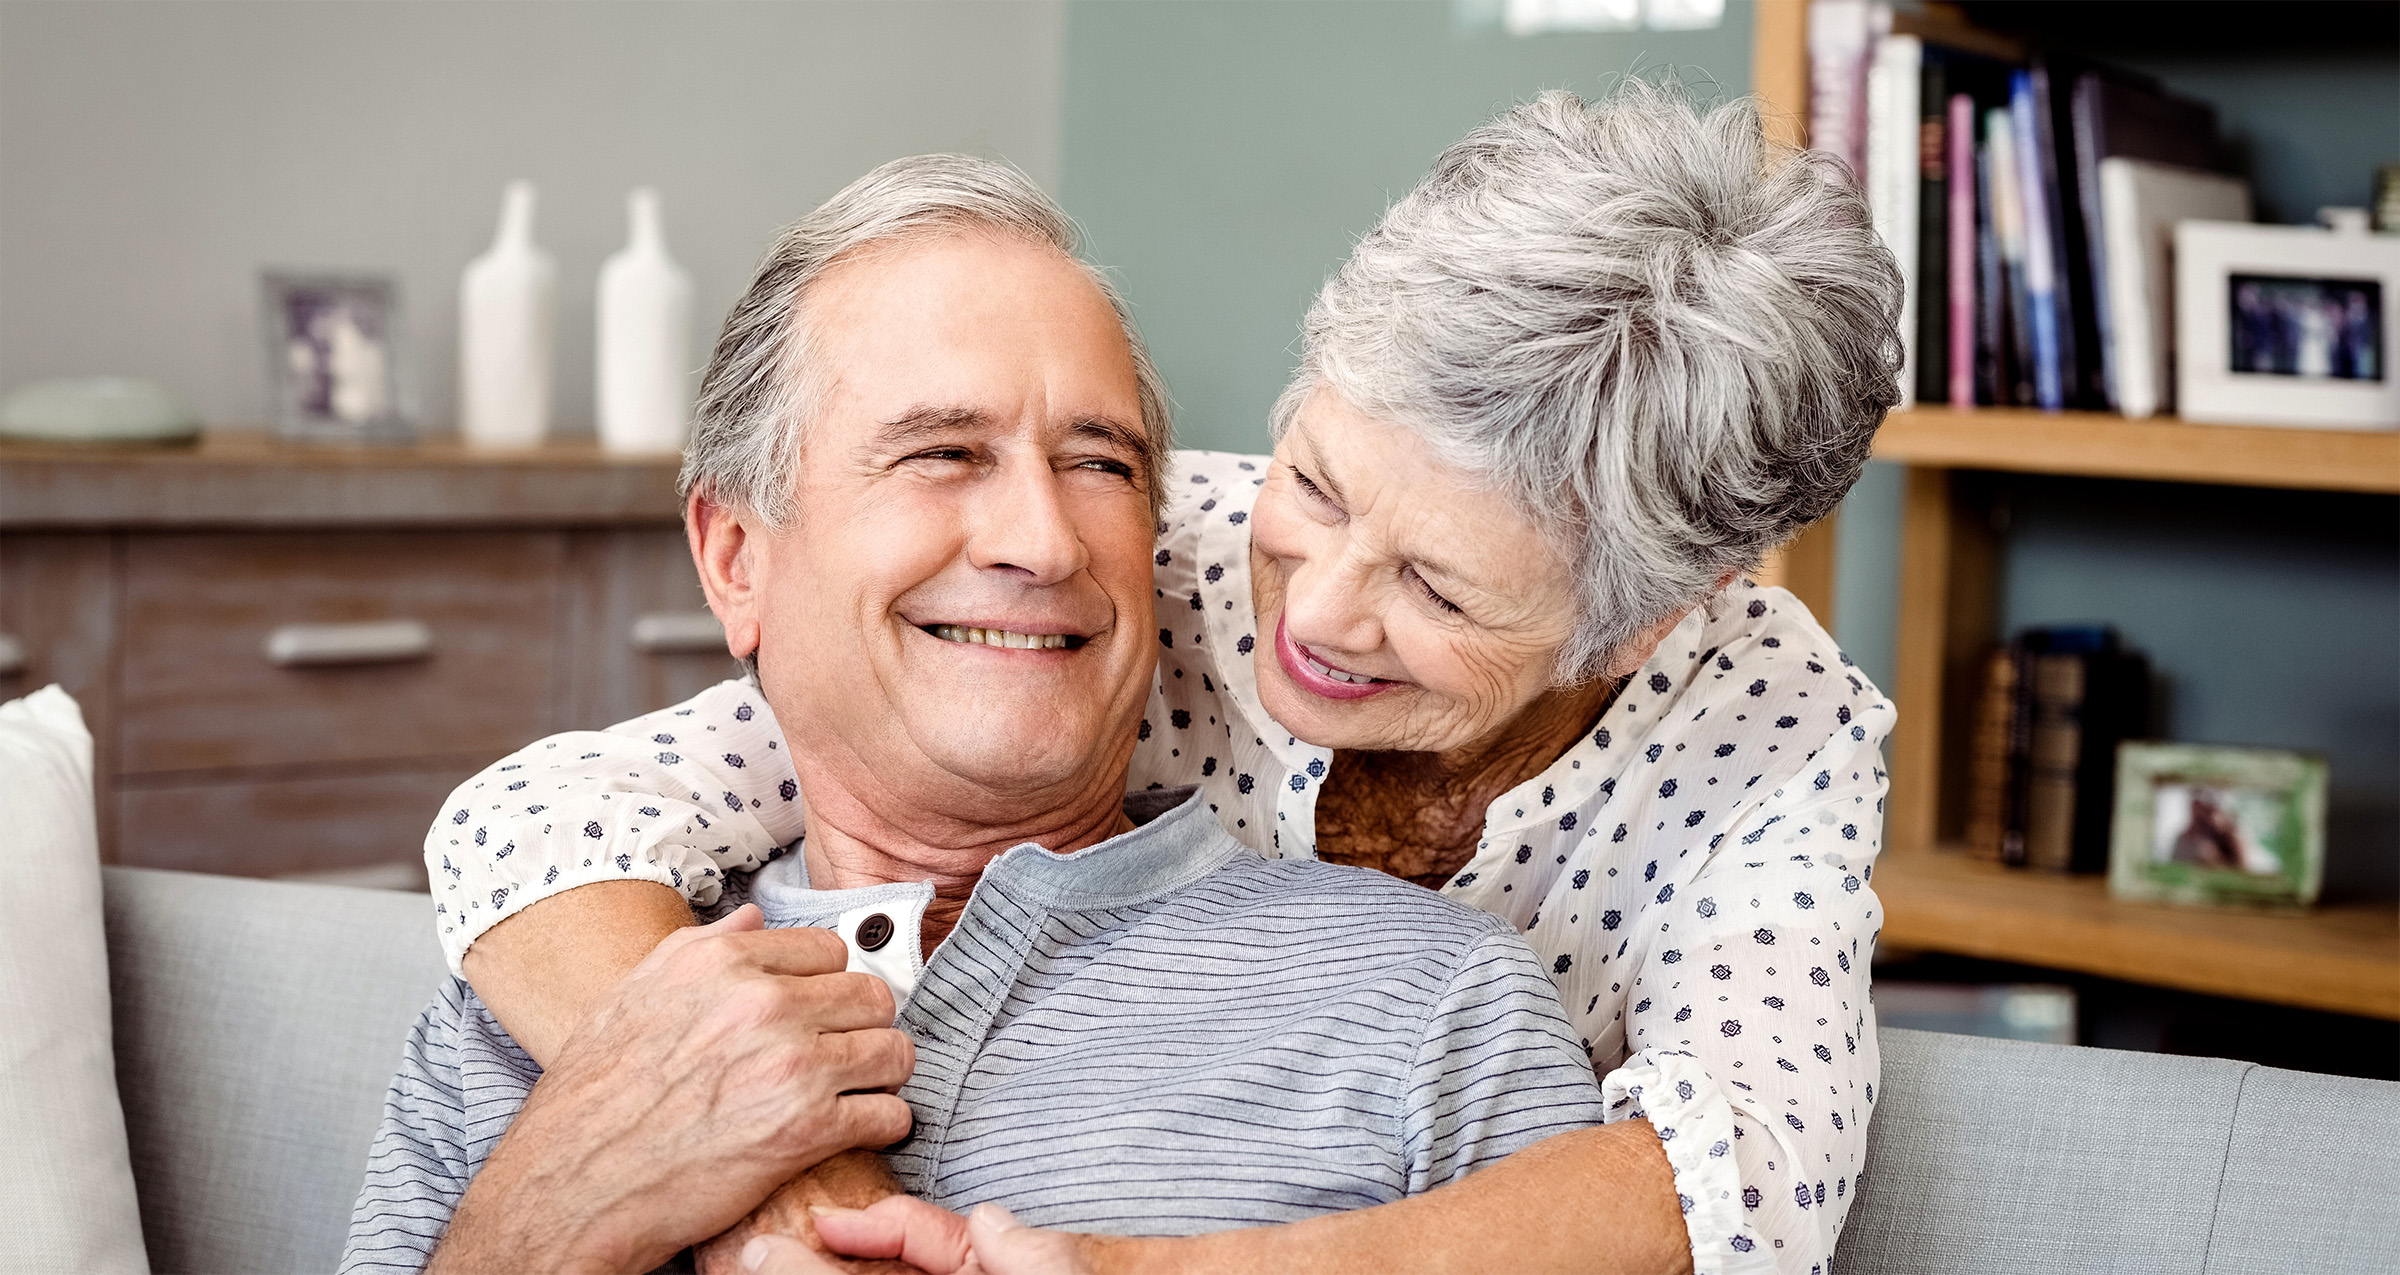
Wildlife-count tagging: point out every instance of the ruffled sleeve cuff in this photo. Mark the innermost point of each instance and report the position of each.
(1695, 1125)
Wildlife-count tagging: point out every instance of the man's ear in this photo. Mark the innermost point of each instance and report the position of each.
(723, 548)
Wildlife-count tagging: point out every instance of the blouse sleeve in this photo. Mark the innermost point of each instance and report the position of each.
(1751, 1039)
(680, 797)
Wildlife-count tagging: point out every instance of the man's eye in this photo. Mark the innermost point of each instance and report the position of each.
(1103, 464)
(943, 453)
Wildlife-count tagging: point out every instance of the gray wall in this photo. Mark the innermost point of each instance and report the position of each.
(1223, 156)
(153, 156)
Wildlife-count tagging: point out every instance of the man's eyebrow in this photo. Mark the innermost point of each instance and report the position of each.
(1112, 432)
(918, 423)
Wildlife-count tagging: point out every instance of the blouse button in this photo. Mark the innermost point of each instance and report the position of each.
(874, 932)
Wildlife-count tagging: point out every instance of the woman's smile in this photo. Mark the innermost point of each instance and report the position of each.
(1320, 677)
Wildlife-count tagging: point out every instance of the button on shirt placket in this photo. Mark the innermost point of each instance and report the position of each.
(950, 1015)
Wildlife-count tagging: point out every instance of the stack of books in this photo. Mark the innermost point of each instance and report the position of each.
(2042, 772)
(2030, 200)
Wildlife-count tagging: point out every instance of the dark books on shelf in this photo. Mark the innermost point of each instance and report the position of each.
(1984, 178)
(2055, 704)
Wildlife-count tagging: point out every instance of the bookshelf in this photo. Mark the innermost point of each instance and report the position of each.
(2342, 958)
(2104, 445)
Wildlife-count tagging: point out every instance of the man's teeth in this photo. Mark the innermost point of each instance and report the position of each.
(999, 637)
(1338, 675)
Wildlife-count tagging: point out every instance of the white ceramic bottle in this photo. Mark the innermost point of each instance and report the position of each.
(507, 331)
(645, 353)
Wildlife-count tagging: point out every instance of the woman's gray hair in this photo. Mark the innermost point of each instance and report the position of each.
(764, 383)
(1666, 339)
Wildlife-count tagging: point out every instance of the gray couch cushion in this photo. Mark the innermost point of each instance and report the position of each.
(257, 1025)
(2000, 1156)
(2312, 1178)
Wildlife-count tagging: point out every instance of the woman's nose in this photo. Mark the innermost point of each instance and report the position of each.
(1326, 604)
(1023, 525)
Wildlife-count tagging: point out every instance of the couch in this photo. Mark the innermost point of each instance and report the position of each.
(257, 1023)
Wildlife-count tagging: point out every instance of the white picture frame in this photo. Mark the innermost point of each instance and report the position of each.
(2268, 326)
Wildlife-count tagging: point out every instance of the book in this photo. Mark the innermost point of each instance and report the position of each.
(1841, 39)
(1964, 250)
(1992, 383)
(1891, 179)
(2117, 117)
(2053, 746)
(1996, 753)
(2040, 299)
(1933, 227)
(2062, 208)
(2140, 203)
(2085, 694)
(2008, 231)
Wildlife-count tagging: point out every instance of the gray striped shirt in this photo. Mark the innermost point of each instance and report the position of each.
(1162, 1034)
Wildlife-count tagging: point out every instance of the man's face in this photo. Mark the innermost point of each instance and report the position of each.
(976, 465)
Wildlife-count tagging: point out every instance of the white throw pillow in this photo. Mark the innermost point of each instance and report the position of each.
(65, 1179)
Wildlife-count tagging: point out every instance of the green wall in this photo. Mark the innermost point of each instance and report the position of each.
(1224, 156)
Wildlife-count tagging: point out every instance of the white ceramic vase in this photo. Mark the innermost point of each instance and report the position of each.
(645, 351)
(507, 333)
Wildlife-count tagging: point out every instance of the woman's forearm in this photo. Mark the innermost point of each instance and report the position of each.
(541, 970)
(1596, 1200)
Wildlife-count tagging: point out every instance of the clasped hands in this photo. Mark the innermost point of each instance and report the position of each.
(728, 1061)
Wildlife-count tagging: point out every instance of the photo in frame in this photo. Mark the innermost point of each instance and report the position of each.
(334, 357)
(2286, 325)
(2203, 823)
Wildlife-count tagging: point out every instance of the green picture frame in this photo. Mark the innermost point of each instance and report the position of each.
(2219, 826)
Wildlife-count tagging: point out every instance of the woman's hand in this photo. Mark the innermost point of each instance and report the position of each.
(914, 1235)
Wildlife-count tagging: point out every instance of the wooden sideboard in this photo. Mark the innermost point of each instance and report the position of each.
(289, 656)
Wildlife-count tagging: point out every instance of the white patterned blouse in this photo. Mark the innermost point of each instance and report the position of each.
(1693, 873)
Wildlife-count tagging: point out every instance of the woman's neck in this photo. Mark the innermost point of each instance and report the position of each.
(1419, 815)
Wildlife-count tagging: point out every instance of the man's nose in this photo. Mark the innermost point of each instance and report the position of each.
(1023, 524)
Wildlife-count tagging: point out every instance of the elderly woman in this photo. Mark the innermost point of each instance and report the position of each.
(1479, 623)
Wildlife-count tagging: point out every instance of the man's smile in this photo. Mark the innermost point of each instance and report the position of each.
(974, 635)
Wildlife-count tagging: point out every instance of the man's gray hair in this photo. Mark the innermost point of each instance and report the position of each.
(764, 383)
(1666, 339)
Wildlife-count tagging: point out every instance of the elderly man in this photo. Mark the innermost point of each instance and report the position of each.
(923, 498)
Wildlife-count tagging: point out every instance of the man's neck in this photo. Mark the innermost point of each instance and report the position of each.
(862, 833)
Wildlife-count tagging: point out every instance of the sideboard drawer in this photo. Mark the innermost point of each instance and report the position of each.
(257, 650)
(268, 827)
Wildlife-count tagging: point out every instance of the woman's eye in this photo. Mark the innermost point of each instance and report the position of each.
(1437, 599)
(1310, 487)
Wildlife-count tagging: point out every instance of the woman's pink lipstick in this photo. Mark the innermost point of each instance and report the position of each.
(1295, 662)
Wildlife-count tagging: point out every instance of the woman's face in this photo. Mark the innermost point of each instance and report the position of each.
(1401, 605)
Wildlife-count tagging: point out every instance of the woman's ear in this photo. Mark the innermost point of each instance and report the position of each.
(723, 546)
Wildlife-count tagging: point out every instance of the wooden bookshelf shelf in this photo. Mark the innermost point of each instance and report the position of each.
(2344, 958)
(2105, 445)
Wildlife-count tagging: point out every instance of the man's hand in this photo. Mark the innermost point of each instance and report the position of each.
(988, 1241)
(850, 1180)
(729, 1060)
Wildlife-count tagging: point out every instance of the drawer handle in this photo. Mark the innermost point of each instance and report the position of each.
(666, 632)
(12, 655)
(373, 642)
